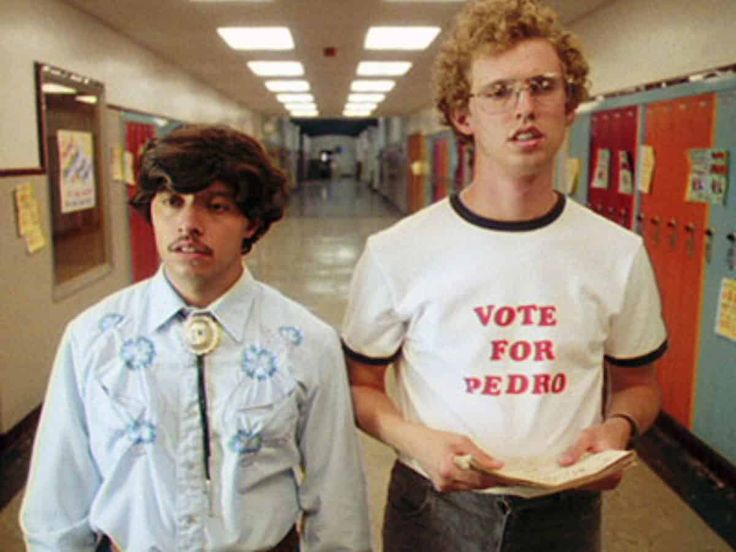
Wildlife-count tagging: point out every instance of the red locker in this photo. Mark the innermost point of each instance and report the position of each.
(616, 131)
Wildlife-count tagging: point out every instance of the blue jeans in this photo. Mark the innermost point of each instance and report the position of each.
(420, 519)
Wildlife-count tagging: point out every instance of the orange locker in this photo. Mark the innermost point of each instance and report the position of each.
(676, 234)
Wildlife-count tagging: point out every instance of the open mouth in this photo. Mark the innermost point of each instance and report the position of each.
(526, 135)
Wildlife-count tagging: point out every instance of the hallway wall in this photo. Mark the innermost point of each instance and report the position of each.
(631, 42)
(50, 31)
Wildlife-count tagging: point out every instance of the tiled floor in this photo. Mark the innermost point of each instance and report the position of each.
(310, 255)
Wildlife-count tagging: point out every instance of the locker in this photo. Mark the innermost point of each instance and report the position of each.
(417, 176)
(715, 407)
(676, 232)
(616, 131)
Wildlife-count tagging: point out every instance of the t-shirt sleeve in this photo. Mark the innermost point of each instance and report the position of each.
(372, 330)
(638, 335)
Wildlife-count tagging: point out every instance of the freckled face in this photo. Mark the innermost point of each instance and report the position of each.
(199, 238)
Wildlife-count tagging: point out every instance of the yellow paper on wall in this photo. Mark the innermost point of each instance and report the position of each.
(646, 169)
(572, 174)
(28, 217)
(726, 315)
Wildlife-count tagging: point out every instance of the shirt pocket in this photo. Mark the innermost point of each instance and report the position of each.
(123, 407)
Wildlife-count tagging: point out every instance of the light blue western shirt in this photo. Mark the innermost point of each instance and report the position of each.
(120, 452)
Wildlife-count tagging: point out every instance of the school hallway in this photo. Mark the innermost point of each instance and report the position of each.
(310, 256)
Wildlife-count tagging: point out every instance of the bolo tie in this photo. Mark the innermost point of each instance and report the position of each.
(202, 336)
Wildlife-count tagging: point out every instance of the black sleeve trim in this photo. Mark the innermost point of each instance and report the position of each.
(369, 360)
(642, 360)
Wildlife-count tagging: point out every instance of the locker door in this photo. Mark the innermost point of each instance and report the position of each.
(417, 162)
(614, 130)
(715, 407)
(144, 257)
(675, 237)
(441, 167)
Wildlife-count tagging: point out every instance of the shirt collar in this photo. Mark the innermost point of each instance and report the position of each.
(508, 226)
(231, 310)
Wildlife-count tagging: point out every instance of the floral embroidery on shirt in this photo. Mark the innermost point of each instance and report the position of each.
(138, 353)
(141, 432)
(292, 334)
(110, 320)
(246, 442)
(259, 363)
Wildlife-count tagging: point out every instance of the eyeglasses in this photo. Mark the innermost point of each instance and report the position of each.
(503, 95)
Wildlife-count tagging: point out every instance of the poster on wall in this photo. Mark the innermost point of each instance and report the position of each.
(602, 169)
(726, 315)
(625, 173)
(76, 170)
(708, 177)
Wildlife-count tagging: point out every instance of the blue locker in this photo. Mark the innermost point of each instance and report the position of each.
(715, 401)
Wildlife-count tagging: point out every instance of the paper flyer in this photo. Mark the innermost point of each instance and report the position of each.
(76, 170)
(708, 176)
(726, 315)
(601, 171)
(28, 218)
(647, 164)
(625, 173)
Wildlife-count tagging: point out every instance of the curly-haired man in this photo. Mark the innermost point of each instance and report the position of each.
(504, 309)
(199, 409)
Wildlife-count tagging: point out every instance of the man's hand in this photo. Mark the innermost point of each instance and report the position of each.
(436, 451)
(613, 434)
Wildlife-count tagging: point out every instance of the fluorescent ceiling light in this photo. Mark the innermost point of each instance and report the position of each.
(287, 85)
(371, 85)
(257, 38)
(300, 105)
(53, 88)
(369, 98)
(351, 113)
(306, 113)
(383, 68)
(300, 98)
(88, 99)
(360, 106)
(276, 68)
(400, 38)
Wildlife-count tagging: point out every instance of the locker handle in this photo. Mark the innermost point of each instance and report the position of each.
(655, 222)
(709, 232)
(639, 223)
(672, 225)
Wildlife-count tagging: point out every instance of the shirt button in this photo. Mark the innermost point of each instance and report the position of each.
(190, 520)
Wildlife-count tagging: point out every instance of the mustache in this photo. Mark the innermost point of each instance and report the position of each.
(191, 242)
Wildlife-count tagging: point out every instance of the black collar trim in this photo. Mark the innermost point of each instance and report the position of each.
(504, 225)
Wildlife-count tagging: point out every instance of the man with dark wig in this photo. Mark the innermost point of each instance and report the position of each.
(199, 409)
(504, 308)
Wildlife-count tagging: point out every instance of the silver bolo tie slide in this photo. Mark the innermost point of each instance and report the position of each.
(202, 336)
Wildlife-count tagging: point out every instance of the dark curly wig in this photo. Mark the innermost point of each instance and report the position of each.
(192, 157)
